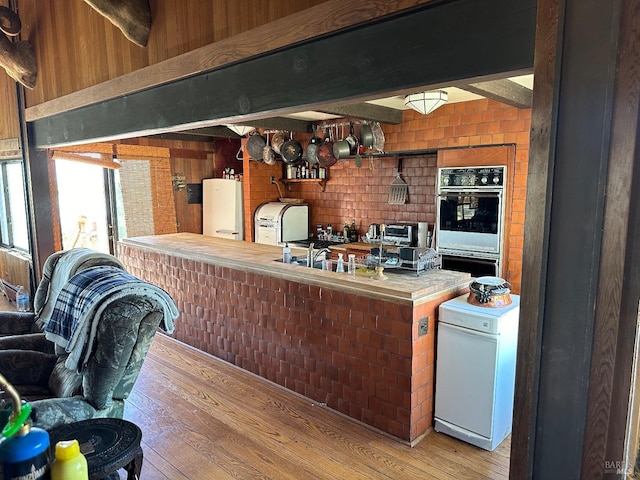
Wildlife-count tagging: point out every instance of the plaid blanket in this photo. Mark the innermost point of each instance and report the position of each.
(58, 269)
(84, 298)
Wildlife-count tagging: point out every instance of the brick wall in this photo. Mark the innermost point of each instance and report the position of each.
(360, 355)
(476, 123)
(361, 194)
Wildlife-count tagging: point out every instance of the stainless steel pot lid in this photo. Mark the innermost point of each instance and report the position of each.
(484, 289)
(492, 285)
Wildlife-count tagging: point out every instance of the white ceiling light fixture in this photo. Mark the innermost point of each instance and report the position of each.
(426, 102)
(241, 130)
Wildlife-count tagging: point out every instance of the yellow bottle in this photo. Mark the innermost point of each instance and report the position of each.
(69, 463)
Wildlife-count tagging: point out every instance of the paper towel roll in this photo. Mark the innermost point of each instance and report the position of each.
(423, 228)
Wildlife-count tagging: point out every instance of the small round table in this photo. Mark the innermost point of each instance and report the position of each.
(107, 443)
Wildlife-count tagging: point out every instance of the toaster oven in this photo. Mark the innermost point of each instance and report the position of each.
(401, 234)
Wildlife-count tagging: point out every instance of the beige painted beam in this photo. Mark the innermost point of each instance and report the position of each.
(505, 91)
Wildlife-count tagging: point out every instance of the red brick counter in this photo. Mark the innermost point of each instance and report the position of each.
(349, 342)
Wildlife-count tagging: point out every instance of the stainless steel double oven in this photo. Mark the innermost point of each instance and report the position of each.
(470, 219)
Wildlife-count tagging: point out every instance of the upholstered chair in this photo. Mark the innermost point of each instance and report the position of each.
(59, 395)
(57, 270)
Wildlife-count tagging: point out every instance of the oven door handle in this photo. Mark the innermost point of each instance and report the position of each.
(461, 193)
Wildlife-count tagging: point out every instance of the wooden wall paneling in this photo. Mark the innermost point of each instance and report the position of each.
(77, 48)
(612, 358)
(189, 216)
(535, 243)
(9, 123)
(567, 324)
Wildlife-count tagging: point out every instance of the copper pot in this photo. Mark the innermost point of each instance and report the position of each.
(326, 158)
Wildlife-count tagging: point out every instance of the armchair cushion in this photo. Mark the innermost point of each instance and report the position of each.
(17, 323)
(64, 383)
(52, 412)
(27, 367)
(28, 341)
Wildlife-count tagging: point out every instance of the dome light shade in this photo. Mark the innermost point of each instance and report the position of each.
(241, 130)
(426, 102)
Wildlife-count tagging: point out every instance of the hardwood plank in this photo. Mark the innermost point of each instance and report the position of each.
(204, 418)
(289, 434)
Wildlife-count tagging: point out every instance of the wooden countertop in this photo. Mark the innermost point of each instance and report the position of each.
(258, 258)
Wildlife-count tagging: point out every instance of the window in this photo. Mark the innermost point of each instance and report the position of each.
(14, 230)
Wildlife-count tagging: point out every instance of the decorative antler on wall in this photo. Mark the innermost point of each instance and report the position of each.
(17, 58)
(133, 17)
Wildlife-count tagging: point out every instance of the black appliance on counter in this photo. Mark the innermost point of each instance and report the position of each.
(405, 234)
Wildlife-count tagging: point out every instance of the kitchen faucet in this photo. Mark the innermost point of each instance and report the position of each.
(313, 255)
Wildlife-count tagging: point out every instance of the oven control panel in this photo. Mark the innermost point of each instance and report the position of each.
(471, 177)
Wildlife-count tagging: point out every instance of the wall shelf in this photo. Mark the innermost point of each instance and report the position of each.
(320, 181)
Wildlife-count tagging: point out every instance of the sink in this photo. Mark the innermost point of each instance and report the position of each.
(303, 263)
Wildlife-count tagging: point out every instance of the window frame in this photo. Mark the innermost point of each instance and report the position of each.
(7, 231)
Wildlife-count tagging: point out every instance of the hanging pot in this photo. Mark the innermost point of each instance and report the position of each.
(492, 292)
(291, 151)
(255, 146)
(352, 140)
(366, 136)
(268, 155)
(341, 148)
(325, 151)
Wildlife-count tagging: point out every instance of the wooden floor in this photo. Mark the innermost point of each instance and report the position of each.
(202, 418)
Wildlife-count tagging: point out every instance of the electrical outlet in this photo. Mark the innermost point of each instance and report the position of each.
(423, 326)
(273, 179)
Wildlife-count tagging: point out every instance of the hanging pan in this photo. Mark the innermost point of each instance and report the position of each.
(291, 151)
(255, 146)
(326, 157)
(312, 149)
(366, 135)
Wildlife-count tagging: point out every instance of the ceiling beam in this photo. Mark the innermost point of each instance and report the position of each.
(281, 123)
(304, 77)
(366, 111)
(505, 91)
(183, 137)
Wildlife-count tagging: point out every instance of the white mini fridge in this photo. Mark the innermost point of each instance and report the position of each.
(475, 371)
(222, 208)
